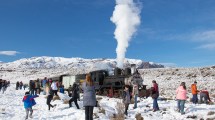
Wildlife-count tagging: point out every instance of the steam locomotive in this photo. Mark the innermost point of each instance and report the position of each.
(112, 85)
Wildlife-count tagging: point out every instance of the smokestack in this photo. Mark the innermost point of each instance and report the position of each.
(133, 68)
(126, 17)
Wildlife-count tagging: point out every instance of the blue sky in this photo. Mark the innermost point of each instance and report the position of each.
(172, 32)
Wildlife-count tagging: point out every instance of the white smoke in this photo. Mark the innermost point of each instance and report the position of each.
(126, 16)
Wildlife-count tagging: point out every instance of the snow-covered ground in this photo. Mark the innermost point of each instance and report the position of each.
(11, 108)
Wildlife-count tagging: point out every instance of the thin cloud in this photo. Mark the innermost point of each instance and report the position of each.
(207, 46)
(169, 64)
(205, 36)
(9, 53)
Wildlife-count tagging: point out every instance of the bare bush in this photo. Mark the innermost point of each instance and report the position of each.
(56, 98)
(211, 118)
(119, 111)
(66, 102)
(101, 110)
(138, 116)
(211, 113)
(213, 95)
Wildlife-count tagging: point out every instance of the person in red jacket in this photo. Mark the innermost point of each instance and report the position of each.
(204, 94)
(155, 95)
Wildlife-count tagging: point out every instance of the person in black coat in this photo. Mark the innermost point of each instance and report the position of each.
(49, 99)
(17, 85)
(74, 96)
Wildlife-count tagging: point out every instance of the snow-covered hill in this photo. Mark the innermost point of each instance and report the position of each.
(67, 63)
(167, 78)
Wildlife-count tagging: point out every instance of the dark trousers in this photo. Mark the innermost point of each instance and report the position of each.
(32, 92)
(50, 105)
(88, 112)
(155, 104)
(205, 97)
(195, 98)
(75, 101)
(126, 108)
(55, 92)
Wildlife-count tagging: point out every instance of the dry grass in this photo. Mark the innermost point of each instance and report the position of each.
(139, 117)
(99, 98)
(96, 116)
(211, 103)
(56, 98)
(101, 110)
(66, 102)
(132, 100)
(211, 118)
(211, 113)
(213, 95)
(120, 112)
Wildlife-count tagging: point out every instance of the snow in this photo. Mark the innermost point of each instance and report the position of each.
(11, 108)
(167, 78)
(61, 62)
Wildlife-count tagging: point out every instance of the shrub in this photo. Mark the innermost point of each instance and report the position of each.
(211, 113)
(119, 111)
(138, 116)
(56, 98)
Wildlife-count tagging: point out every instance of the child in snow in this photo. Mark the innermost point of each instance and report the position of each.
(126, 98)
(28, 103)
(49, 99)
(181, 96)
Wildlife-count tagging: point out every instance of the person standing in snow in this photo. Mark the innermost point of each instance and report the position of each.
(126, 98)
(20, 85)
(181, 96)
(32, 87)
(4, 86)
(62, 89)
(37, 86)
(135, 93)
(89, 97)
(204, 94)
(28, 103)
(44, 85)
(155, 95)
(54, 87)
(24, 86)
(0, 84)
(17, 85)
(74, 96)
(194, 92)
(49, 99)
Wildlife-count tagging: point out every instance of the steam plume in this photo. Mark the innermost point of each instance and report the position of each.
(126, 18)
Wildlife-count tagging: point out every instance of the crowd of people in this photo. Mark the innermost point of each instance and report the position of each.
(3, 85)
(50, 88)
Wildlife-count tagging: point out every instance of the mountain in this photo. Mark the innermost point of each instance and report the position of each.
(67, 63)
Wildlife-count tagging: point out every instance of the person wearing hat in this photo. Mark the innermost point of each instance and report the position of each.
(194, 92)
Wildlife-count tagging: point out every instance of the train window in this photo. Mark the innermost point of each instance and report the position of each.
(117, 83)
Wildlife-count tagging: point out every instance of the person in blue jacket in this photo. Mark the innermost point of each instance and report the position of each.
(62, 89)
(28, 103)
